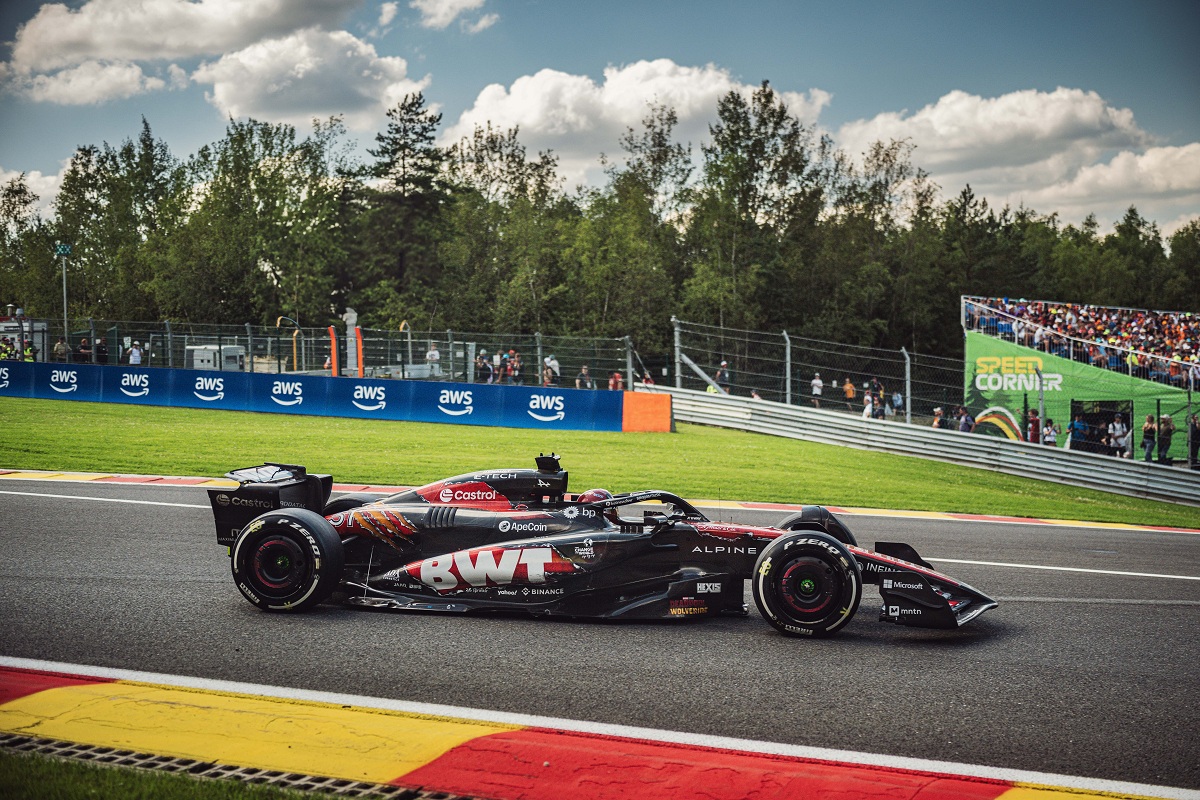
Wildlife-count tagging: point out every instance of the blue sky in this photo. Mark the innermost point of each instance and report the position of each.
(1068, 107)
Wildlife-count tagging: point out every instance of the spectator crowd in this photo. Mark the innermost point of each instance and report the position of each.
(1162, 346)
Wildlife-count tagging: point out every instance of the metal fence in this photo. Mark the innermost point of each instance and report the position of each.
(782, 368)
(1090, 470)
(288, 347)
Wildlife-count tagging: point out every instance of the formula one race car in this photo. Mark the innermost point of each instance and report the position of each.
(515, 540)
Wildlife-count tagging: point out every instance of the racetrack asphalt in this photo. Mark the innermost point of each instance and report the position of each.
(1078, 673)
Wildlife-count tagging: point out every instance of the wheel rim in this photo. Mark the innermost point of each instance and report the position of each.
(808, 587)
(278, 566)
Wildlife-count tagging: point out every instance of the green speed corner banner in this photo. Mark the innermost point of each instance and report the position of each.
(1000, 383)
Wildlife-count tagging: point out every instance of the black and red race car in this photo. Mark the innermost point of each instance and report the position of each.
(516, 540)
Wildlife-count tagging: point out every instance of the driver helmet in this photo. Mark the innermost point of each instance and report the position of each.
(594, 495)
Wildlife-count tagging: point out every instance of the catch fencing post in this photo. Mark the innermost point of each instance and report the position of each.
(92, 331)
(450, 350)
(629, 362)
(787, 368)
(541, 364)
(170, 344)
(249, 347)
(1042, 408)
(678, 366)
(907, 387)
(220, 351)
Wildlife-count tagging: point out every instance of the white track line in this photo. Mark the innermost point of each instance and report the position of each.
(624, 731)
(1065, 569)
(105, 499)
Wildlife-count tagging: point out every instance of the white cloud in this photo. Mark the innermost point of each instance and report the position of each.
(91, 83)
(387, 13)
(438, 14)
(310, 73)
(135, 30)
(578, 118)
(1067, 152)
(482, 24)
(962, 132)
(1163, 183)
(44, 186)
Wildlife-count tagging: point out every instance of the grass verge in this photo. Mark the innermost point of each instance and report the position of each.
(698, 461)
(35, 777)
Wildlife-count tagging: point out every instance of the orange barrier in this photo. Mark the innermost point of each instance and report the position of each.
(647, 413)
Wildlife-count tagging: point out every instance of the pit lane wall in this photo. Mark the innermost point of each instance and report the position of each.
(410, 401)
(1000, 383)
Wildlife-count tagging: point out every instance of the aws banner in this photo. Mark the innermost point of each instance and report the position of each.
(414, 401)
(1000, 382)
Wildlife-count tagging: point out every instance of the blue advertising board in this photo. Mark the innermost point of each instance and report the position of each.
(417, 401)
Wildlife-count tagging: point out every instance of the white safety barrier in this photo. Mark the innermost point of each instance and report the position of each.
(1090, 470)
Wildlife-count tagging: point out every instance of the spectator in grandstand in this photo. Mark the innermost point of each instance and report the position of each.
(616, 382)
(1156, 337)
(1050, 433)
(848, 391)
(135, 355)
(724, 377)
(61, 351)
(1118, 437)
(433, 360)
(817, 386)
(1166, 429)
(584, 379)
(1149, 435)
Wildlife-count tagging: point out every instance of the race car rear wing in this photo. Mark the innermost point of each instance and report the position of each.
(266, 487)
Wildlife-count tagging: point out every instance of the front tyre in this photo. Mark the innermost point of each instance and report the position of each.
(807, 584)
(288, 560)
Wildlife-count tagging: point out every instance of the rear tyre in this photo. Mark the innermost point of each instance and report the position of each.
(347, 502)
(288, 560)
(807, 584)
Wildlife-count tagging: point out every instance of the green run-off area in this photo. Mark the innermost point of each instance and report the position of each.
(697, 461)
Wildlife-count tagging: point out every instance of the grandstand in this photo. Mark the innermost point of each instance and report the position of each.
(1072, 360)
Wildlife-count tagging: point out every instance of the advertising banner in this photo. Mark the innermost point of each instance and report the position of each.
(1001, 385)
(318, 395)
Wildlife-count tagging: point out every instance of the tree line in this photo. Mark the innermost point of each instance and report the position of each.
(771, 228)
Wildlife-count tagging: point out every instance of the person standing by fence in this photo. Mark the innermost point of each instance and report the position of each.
(817, 386)
(1166, 429)
(1149, 435)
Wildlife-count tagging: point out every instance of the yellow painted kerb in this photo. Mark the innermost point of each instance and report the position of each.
(242, 730)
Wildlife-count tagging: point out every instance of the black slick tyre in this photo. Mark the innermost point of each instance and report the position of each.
(287, 560)
(818, 518)
(806, 584)
(347, 502)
